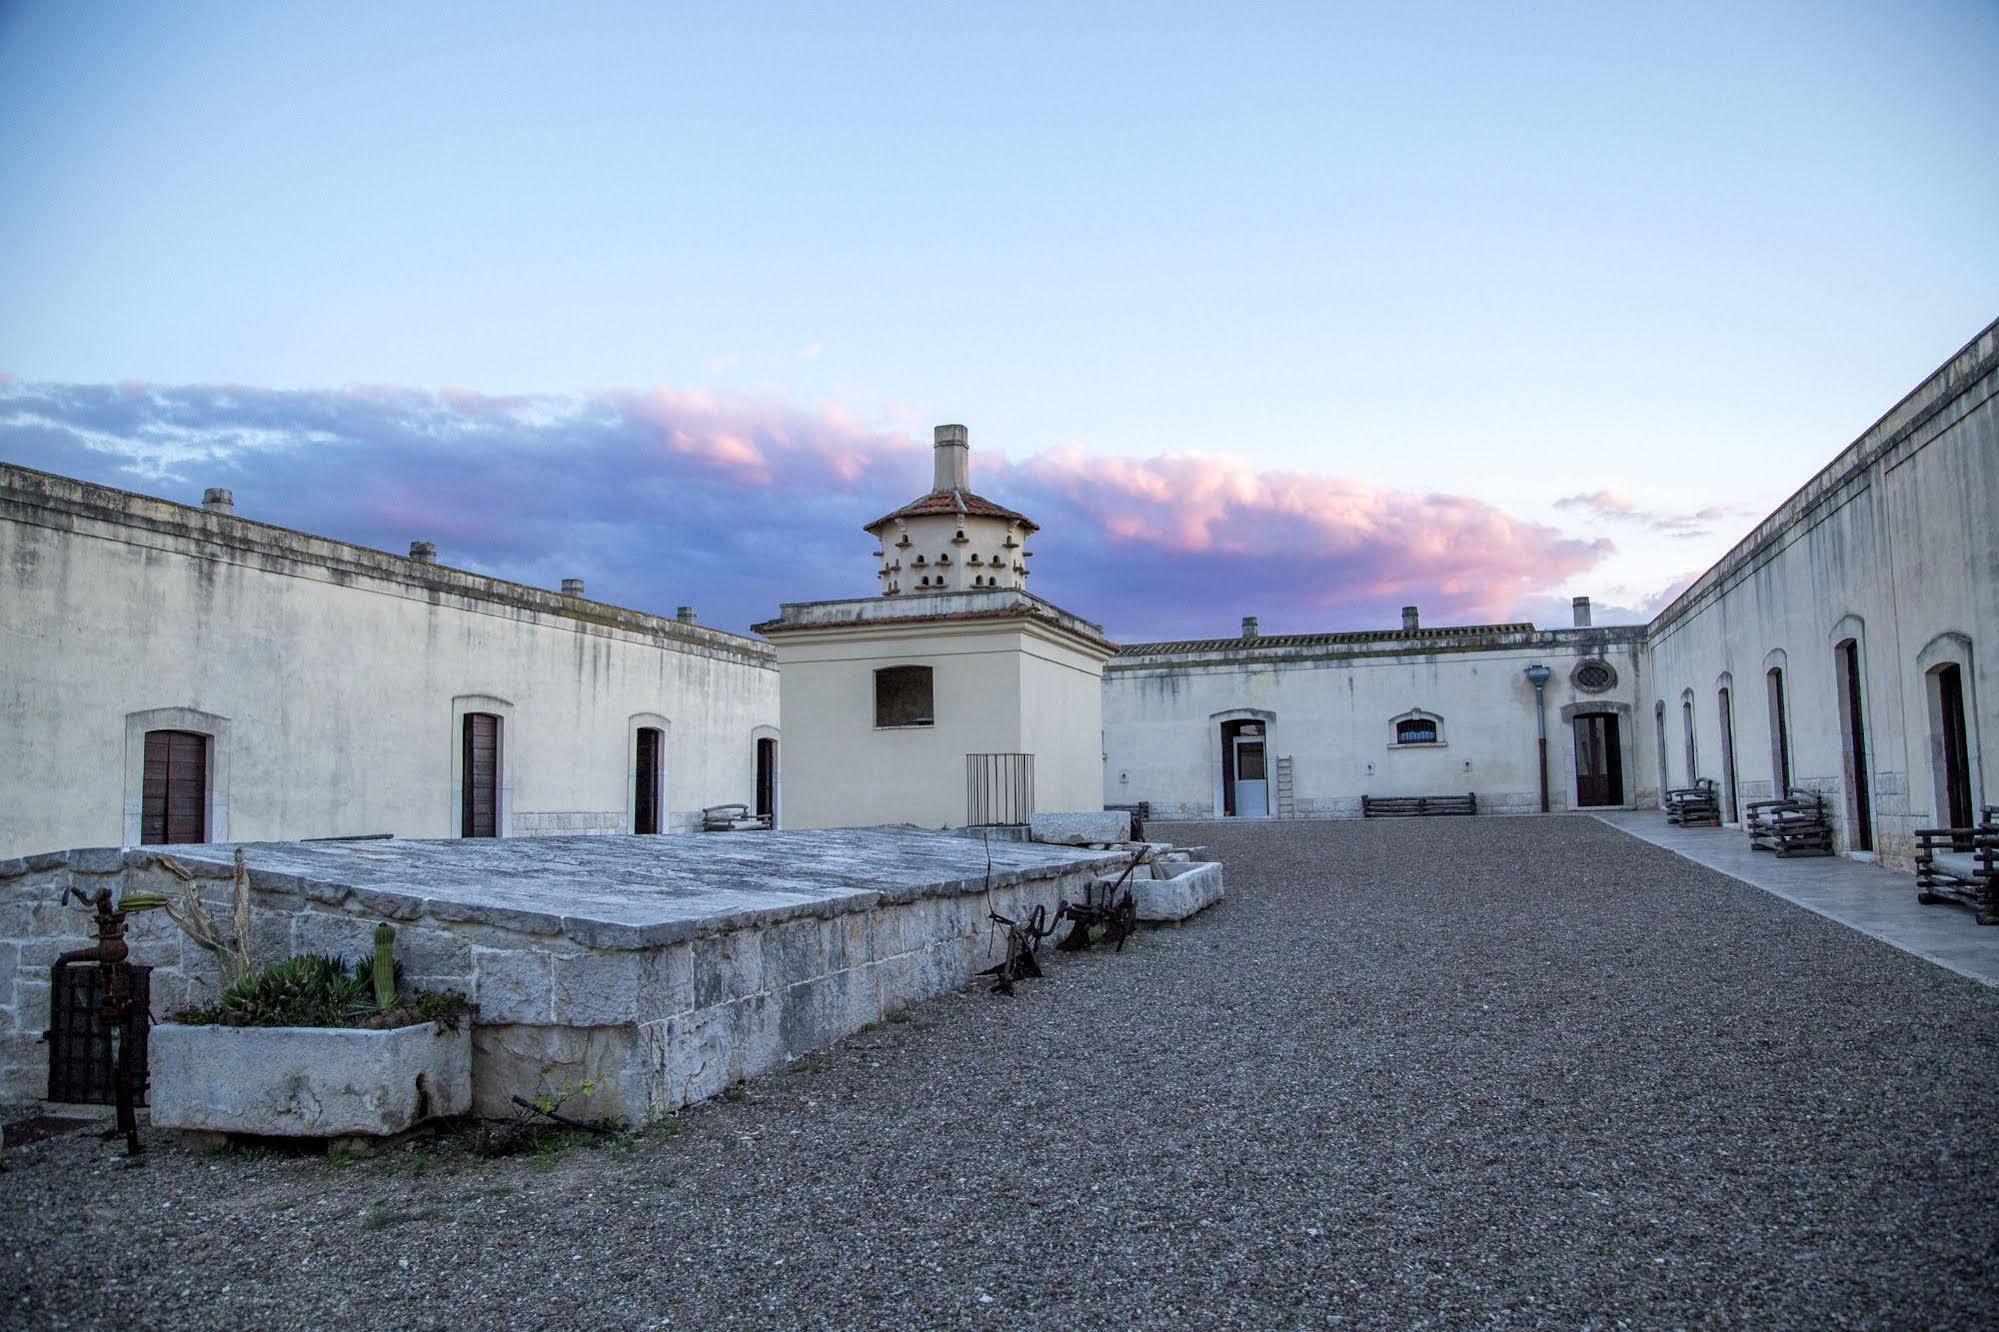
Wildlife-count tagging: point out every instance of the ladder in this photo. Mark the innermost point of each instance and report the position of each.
(1286, 807)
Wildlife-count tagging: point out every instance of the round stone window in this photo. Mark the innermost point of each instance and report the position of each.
(1593, 677)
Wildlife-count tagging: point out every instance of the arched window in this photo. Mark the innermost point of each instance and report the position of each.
(1416, 731)
(903, 697)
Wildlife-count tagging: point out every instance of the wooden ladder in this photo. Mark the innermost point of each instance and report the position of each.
(1286, 807)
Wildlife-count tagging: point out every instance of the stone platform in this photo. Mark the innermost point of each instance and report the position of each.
(666, 968)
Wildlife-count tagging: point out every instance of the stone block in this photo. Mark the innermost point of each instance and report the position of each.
(727, 966)
(792, 952)
(513, 985)
(334, 933)
(10, 962)
(310, 1082)
(601, 989)
(97, 861)
(756, 1039)
(816, 1013)
(529, 1060)
(1082, 828)
(431, 952)
(697, 1055)
(1196, 886)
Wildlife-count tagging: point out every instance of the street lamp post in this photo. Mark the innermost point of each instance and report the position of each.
(1537, 674)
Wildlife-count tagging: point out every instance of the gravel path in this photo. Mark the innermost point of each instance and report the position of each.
(1428, 1073)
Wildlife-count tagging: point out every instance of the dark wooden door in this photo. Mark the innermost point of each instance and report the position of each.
(175, 801)
(767, 779)
(481, 814)
(1862, 836)
(1956, 750)
(1599, 770)
(645, 796)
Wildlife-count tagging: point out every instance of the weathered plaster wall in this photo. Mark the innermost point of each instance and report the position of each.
(1009, 676)
(1331, 709)
(332, 678)
(1895, 544)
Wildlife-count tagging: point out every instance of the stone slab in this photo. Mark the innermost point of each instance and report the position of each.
(1081, 827)
(307, 1082)
(637, 892)
(1192, 888)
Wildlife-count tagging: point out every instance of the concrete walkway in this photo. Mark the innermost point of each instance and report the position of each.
(1875, 901)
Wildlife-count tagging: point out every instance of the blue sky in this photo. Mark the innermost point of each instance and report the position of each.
(1363, 270)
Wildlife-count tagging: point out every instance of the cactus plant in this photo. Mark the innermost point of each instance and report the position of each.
(384, 967)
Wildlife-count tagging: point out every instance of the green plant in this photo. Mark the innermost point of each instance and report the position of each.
(384, 967)
(232, 950)
(313, 990)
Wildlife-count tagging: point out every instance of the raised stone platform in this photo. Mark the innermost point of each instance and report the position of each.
(665, 967)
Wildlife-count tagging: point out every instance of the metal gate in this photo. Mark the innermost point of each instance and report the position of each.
(83, 1048)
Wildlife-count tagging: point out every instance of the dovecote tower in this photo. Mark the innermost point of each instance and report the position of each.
(950, 539)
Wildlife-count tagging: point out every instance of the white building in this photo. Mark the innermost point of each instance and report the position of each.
(1305, 725)
(955, 696)
(1848, 643)
(1846, 646)
(181, 674)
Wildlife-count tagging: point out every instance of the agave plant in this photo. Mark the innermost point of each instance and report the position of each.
(316, 990)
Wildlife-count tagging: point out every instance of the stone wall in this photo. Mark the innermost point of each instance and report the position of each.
(659, 1016)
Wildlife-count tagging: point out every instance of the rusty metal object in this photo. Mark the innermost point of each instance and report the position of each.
(98, 1019)
(1022, 939)
(1106, 906)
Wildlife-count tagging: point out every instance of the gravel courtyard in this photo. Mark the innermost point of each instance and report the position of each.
(1423, 1073)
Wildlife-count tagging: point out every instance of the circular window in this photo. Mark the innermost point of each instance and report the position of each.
(1593, 677)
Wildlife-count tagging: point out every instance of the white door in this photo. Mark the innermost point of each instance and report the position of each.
(1252, 789)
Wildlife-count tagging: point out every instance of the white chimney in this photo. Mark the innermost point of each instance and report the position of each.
(572, 587)
(1409, 621)
(685, 615)
(1581, 605)
(423, 552)
(217, 500)
(1249, 626)
(954, 459)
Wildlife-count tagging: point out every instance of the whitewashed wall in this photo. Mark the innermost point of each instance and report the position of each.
(1331, 709)
(331, 677)
(1894, 544)
(1010, 674)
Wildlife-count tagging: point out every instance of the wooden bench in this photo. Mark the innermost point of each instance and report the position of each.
(1794, 826)
(732, 818)
(1960, 866)
(1403, 807)
(1694, 806)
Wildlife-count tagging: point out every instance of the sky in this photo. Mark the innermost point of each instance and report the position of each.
(1299, 311)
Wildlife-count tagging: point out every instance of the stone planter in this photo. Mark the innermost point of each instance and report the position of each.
(308, 1082)
(1182, 889)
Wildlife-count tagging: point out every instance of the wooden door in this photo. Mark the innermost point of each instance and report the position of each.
(175, 800)
(480, 816)
(767, 779)
(1599, 770)
(645, 792)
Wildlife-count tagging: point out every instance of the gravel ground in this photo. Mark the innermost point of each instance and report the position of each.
(1422, 1073)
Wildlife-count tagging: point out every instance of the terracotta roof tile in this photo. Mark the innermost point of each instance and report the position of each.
(943, 502)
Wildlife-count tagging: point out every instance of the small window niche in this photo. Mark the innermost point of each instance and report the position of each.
(1417, 729)
(903, 697)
